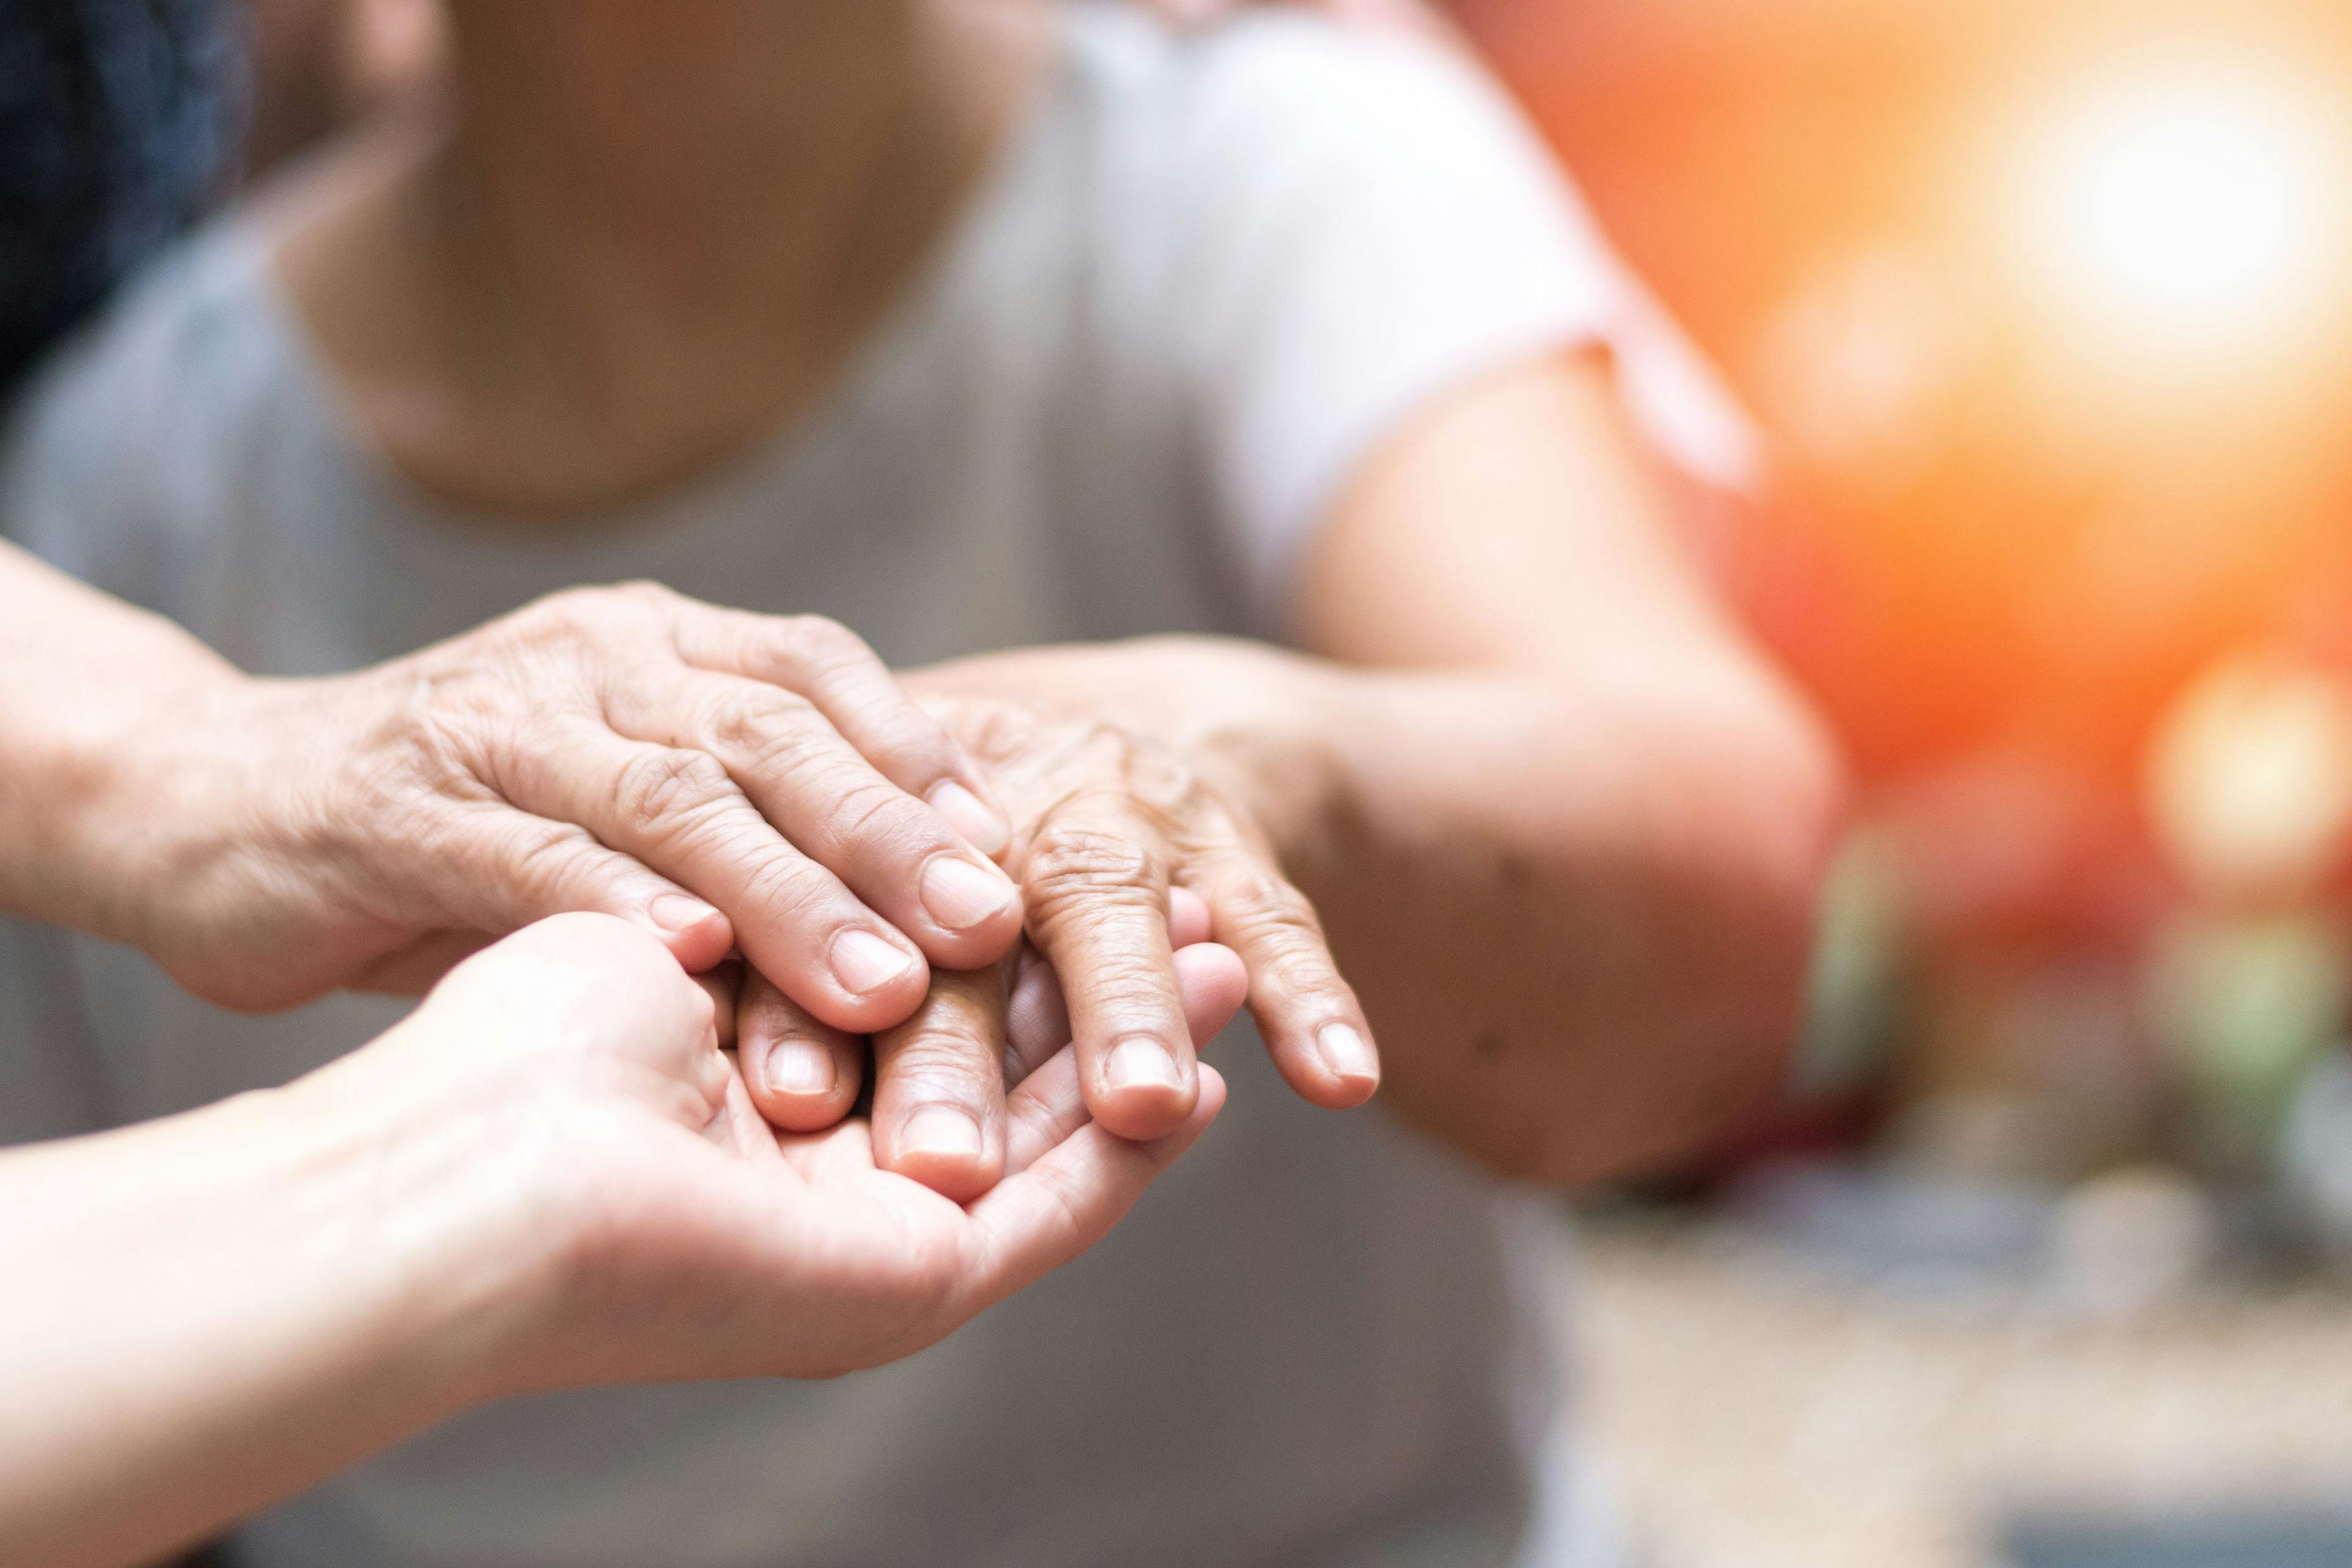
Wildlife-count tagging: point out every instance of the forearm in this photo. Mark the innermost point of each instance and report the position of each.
(1579, 920)
(83, 679)
(1577, 910)
(207, 1313)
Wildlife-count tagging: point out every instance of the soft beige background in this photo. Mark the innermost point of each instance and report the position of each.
(1761, 1418)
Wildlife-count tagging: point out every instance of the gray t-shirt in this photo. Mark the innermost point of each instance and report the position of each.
(1209, 275)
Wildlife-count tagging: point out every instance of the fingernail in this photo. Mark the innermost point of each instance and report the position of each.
(1346, 1053)
(797, 1067)
(862, 961)
(939, 1130)
(982, 828)
(1141, 1062)
(678, 912)
(962, 893)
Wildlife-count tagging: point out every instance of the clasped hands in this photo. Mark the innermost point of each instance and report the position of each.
(1015, 922)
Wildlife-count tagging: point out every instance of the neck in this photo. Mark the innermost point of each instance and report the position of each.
(652, 231)
(703, 171)
(690, 143)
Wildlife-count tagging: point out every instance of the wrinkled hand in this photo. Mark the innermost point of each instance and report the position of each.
(945, 1110)
(1107, 827)
(713, 776)
(659, 1228)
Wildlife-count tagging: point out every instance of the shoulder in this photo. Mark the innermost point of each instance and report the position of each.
(1277, 98)
(1342, 228)
(1306, 79)
(1277, 70)
(1284, 179)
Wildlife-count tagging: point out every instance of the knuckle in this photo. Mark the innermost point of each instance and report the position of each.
(794, 893)
(871, 812)
(658, 790)
(582, 624)
(1298, 971)
(440, 834)
(996, 729)
(1273, 922)
(539, 856)
(1131, 987)
(1287, 955)
(946, 1066)
(825, 643)
(832, 795)
(907, 738)
(438, 738)
(645, 591)
(571, 615)
(1261, 900)
(1168, 782)
(1068, 858)
(766, 729)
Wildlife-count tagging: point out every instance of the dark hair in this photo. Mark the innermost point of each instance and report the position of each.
(120, 123)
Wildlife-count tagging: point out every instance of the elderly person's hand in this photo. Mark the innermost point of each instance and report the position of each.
(941, 1113)
(548, 1175)
(1107, 822)
(1128, 847)
(722, 779)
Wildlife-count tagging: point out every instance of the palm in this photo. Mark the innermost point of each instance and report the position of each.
(676, 1235)
(775, 1254)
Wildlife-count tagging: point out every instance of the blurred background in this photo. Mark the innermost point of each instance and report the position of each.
(2045, 310)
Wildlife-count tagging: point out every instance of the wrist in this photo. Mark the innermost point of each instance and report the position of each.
(1263, 725)
(313, 1305)
(102, 773)
(1269, 727)
(410, 1193)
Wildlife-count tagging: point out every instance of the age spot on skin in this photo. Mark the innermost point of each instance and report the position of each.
(1514, 873)
(1489, 1045)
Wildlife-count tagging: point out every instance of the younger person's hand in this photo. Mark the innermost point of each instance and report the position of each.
(668, 1231)
(548, 1175)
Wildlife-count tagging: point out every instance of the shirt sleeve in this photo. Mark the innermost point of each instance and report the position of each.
(1366, 224)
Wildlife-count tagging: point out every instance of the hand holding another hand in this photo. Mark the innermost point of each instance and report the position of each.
(1151, 895)
(548, 1175)
(718, 778)
(644, 1221)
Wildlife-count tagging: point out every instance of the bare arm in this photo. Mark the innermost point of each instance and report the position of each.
(74, 666)
(1561, 826)
(550, 1176)
(1571, 860)
(720, 778)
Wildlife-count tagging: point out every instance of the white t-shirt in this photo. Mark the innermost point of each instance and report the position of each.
(1208, 278)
